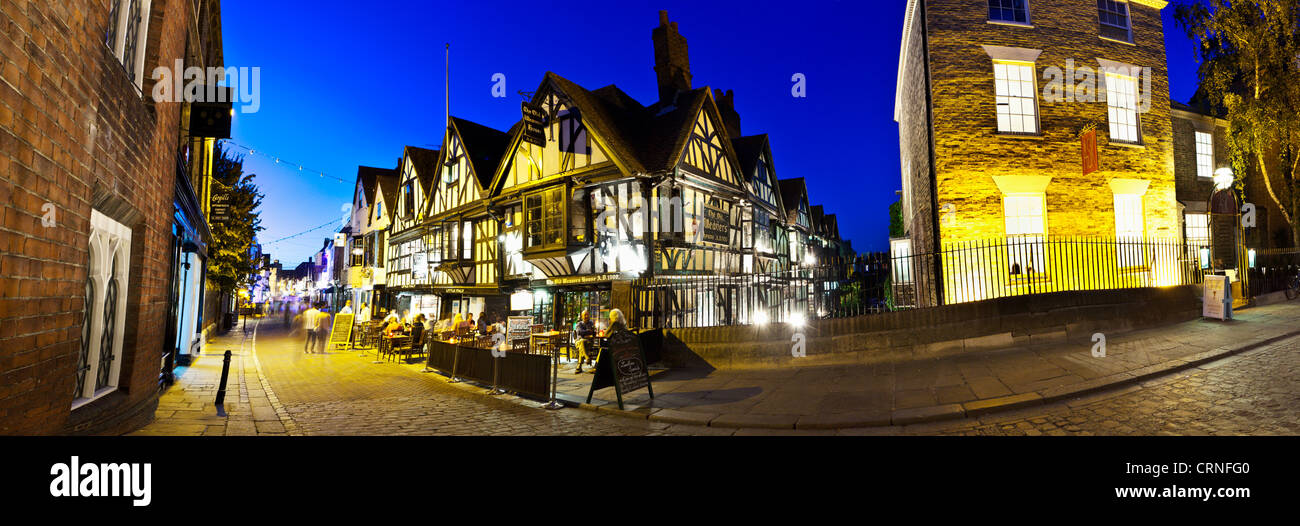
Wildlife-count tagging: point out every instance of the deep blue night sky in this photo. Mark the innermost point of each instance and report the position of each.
(345, 85)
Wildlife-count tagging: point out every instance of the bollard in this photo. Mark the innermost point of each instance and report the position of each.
(225, 373)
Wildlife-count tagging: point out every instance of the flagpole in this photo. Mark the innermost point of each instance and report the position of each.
(447, 91)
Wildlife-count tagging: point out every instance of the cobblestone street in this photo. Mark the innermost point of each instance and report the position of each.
(285, 391)
(1255, 393)
(342, 393)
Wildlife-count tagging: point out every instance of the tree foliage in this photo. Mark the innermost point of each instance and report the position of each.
(230, 265)
(1250, 67)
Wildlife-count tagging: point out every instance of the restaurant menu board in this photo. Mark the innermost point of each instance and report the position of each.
(622, 365)
(519, 327)
(341, 334)
(1217, 302)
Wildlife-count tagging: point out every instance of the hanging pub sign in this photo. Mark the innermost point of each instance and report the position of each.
(210, 117)
(621, 364)
(220, 207)
(1088, 144)
(715, 228)
(534, 121)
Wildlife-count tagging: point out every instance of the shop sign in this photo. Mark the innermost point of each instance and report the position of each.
(220, 207)
(534, 130)
(1088, 145)
(519, 327)
(716, 228)
(1217, 300)
(622, 365)
(584, 279)
(420, 265)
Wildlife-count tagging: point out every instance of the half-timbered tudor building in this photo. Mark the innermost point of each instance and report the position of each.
(409, 282)
(763, 215)
(461, 231)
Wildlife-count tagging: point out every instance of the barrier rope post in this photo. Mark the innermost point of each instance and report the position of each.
(555, 378)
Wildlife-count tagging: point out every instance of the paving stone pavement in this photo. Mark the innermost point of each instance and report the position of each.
(1254, 393)
(282, 390)
(343, 393)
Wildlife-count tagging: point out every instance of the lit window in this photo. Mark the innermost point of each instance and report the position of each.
(1121, 102)
(1113, 16)
(1197, 233)
(1026, 231)
(544, 218)
(1009, 11)
(1128, 229)
(126, 35)
(1204, 155)
(1016, 100)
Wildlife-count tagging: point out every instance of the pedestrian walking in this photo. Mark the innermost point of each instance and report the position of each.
(322, 330)
(309, 320)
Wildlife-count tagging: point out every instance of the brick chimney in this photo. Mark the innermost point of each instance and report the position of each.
(727, 109)
(672, 64)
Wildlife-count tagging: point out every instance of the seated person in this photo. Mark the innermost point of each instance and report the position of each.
(586, 331)
(393, 328)
(417, 329)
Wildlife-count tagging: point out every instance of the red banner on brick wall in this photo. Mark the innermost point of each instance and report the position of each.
(1089, 143)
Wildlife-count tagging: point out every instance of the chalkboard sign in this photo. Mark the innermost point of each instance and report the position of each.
(341, 334)
(519, 327)
(621, 364)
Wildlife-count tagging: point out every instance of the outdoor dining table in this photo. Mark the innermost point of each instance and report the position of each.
(395, 342)
(539, 337)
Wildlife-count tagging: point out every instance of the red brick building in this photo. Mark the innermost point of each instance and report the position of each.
(88, 171)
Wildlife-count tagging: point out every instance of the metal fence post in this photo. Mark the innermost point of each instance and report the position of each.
(555, 378)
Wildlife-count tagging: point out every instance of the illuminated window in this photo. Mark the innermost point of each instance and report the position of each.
(1128, 229)
(1121, 102)
(544, 226)
(1113, 16)
(1026, 227)
(1016, 99)
(1204, 155)
(1197, 232)
(1009, 11)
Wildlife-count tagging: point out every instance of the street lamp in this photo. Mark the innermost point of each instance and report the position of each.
(1223, 178)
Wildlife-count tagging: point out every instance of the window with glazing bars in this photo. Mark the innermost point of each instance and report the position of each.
(1009, 11)
(1121, 102)
(1204, 155)
(1114, 20)
(1016, 97)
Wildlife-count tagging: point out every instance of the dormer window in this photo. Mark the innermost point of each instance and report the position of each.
(1009, 11)
(1114, 19)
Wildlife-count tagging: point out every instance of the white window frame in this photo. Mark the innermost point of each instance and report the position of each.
(1029, 21)
(1121, 106)
(1025, 243)
(1197, 223)
(134, 64)
(109, 244)
(1130, 227)
(1009, 85)
(1128, 20)
(1204, 154)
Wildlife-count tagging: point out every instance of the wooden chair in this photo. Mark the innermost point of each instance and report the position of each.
(520, 345)
(563, 342)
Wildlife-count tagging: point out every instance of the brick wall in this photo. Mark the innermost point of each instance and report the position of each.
(1190, 186)
(74, 132)
(969, 151)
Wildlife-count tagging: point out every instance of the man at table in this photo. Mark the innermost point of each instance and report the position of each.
(586, 331)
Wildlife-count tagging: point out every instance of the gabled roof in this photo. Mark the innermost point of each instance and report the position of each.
(610, 117)
(425, 162)
(485, 147)
(832, 226)
(388, 184)
(748, 151)
(818, 218)
(366, 176)
(793, 192)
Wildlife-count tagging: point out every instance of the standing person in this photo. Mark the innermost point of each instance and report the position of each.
(347, 308)
(364, 315)
(322, 330)
(285, 312)
(309, 326)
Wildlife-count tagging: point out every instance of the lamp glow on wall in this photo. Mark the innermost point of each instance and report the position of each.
(1223, 178)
